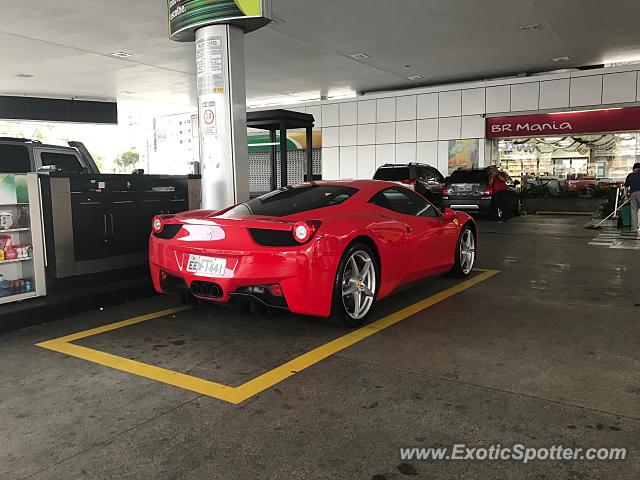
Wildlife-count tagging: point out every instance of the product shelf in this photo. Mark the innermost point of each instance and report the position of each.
(16, 260)
(17, 297)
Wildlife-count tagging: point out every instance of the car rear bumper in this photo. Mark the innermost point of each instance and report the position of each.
(468, 205)
(304, 275)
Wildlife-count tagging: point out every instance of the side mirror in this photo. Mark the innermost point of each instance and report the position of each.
(449, 214)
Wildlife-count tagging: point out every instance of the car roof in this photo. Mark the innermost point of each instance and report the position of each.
(30, 142)
(396, 165)
(471, 170)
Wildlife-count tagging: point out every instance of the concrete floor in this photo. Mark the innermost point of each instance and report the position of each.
(544, 353)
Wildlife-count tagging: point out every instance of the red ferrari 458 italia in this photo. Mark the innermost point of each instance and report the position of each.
(325, 249)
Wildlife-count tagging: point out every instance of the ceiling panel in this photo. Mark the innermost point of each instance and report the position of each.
(67, 45)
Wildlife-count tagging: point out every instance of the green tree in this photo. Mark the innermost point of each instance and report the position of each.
(99, 159)
(126, 160)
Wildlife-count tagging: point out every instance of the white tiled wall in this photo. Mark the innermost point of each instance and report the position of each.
(473, 101)
(525, 96)
(349, 113)
(416, 125)
(586, 91)
(619, 87)
(406, 108)
(498, 99)
(450, 104)
(406, 131)
(428, 105)
(554, 93)
(427, 130)
(386, 109)
(367, 111)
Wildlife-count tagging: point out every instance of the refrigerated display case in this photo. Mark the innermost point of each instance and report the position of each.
(21, 239)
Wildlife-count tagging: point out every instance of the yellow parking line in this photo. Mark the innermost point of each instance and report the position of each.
(252, 387)
(115, 326)
(163, 375)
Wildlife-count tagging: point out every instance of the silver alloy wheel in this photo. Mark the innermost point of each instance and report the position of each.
(358, 284)
(467, 251)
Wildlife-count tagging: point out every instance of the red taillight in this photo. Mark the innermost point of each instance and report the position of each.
(488, 191)
(157, 223)
(444, 190)
(409, 182)
(303, 231)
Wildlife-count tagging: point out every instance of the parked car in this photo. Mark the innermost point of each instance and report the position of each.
(423, 179)
(469, 190)
(22, 155)
(315, 249)
(587, 184)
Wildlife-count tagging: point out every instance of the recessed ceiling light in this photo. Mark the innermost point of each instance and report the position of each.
(561, 59)
(531, 27)
(24, 75)
(415, 78)
(122, 54)
(359, 56)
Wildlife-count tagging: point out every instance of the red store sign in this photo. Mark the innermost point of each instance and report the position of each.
(566, 123)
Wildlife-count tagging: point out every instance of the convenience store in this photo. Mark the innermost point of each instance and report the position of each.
(593, 145)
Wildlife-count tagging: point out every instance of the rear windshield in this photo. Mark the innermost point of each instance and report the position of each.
(393, 174)
(291, 200)
(469, 176)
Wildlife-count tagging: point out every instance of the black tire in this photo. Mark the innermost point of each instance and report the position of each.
(459, 270)
(340, 317)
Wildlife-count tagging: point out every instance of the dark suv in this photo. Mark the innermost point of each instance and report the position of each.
(22, 155)
(423, 179)
(469, 190)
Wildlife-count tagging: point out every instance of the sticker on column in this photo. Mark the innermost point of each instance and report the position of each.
(209, 118)
(210, 65)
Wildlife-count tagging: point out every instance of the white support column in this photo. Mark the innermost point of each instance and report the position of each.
(223, 118)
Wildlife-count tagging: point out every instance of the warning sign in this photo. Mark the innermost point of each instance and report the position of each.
(209, 118)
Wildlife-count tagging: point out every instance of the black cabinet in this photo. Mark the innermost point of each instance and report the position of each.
(99, 223)
(112, 224)
(90, 228)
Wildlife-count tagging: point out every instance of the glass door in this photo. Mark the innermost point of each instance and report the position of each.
(21, 241)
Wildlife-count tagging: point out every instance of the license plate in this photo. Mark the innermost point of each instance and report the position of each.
(206, 266)
(465, 188)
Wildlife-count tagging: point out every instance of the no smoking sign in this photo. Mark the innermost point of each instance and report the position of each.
(209, 118)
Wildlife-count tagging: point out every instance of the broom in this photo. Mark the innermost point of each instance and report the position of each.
(599, 225)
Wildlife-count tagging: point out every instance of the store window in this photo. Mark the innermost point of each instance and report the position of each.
(602, 158)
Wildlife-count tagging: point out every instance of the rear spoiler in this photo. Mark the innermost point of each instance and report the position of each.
(86, 156)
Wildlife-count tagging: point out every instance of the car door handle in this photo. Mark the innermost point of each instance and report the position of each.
(409, 229)
(105, 224)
